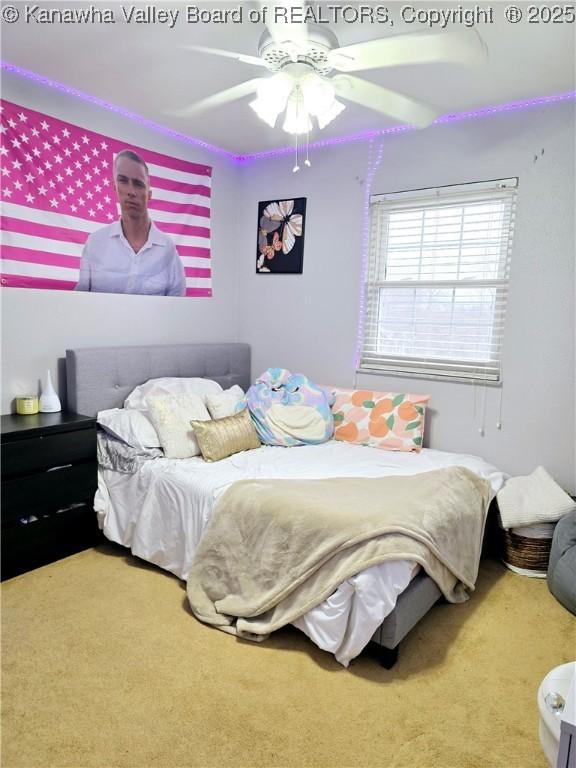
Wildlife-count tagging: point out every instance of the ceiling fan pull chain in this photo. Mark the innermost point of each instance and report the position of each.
(296, 166)
(307, 161)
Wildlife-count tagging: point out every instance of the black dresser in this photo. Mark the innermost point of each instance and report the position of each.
(49, 478)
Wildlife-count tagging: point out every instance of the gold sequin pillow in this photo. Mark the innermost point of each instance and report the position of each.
(220, 438)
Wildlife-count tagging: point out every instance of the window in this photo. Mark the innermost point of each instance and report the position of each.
(437, 282)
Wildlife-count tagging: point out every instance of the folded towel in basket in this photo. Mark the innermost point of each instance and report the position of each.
(535, 498)
(536, 531)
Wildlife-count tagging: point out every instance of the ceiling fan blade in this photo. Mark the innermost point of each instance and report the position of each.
(243, 57)
(418, 48)
(395, 105)
(222, 97)
(285, 20)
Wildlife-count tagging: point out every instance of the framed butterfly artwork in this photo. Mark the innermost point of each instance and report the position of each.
(281, 236)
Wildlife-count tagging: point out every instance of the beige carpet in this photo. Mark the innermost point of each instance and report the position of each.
(103, 665)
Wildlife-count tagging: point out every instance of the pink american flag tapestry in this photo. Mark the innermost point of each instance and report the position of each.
(58, 187)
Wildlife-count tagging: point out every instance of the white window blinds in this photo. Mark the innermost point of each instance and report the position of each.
(437, 282)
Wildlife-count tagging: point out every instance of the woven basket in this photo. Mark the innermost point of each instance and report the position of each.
(522, 552)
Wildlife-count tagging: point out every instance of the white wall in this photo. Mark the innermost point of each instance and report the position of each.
(309, 322)
(38, 325)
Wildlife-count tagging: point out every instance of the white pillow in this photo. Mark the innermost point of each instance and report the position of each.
(170, 386)
(225, 403)
(132, 427)
(171, 416)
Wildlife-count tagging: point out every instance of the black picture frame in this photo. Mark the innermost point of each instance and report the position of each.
(280, 241)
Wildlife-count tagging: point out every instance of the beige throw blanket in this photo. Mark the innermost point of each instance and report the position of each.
(274, 549)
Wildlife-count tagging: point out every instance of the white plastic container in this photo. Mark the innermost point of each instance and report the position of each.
(555, 704)
(49, 400)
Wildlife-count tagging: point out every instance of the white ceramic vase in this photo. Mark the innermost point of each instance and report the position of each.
(49, 400)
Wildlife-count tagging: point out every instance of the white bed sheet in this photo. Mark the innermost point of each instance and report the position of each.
(161, 512)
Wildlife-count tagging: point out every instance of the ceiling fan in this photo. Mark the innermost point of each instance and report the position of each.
(302, 57)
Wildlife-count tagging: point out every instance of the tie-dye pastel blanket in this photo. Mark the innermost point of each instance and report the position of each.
(289, 409)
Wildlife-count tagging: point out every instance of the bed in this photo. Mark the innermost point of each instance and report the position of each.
(161, 529)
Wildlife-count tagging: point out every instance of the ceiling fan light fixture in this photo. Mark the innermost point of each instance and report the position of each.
(265, 112)
(331, 113)
(301, 57)
(319, 98)
(297, 120)
(317, 93)
(271, 97)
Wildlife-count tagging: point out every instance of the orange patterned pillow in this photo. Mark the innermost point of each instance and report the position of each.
(388, 420)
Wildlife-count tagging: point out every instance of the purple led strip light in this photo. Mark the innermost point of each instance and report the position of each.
(115, 108)
(374, 160)
(355, 137)
(512, 106)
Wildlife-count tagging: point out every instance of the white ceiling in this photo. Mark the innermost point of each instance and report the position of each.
(147, 69)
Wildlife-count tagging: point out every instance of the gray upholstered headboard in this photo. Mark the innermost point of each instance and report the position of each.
(102, 377)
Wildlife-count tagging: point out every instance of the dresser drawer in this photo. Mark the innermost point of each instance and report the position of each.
(48, 490)
(48, 539)
(25, 457)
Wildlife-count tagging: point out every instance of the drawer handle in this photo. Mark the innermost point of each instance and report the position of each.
(55, 469)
